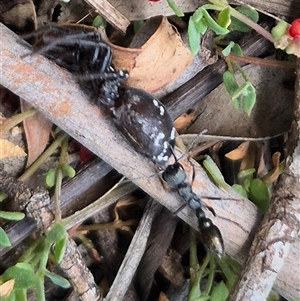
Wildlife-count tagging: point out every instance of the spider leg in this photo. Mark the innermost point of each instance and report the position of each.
(80, 39)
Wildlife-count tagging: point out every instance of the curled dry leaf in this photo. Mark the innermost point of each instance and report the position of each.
(37, 129)
(6, 288)
(239, 153)
(10, 150)
(273, 177)
(161, 60)
(183, 121)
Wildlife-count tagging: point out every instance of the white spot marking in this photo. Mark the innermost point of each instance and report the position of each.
(161, 110)
(155, 102)
(173, 132)
(161, 158)
(159, 137)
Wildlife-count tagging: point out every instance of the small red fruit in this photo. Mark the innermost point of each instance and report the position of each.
(294, 30)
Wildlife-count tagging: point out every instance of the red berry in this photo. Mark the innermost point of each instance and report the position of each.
(294, 30)
(153, 0)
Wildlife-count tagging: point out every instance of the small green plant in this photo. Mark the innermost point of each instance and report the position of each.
(255, 188)
(206, 273)
(222, 19)
(12, 216)
(228, 20)
(55, 176)
(31, 270)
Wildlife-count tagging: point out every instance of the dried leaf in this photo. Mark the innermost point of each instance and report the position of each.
(164, 52)
(37, 129)
(10, 150)
(6, 288)
(239, 153)
(273, 176)
(183, 121)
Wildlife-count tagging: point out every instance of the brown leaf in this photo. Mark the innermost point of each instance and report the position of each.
(164, 52)
(184, 121)
(9, 150)
(275, 173)
(6, 288)
(37, 129)
(239, 153)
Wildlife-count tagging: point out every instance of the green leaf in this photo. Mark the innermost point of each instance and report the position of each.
(226, 51)
(57, 279)
(39, 285)
(12, 216)
(230, 269)
(279, 30)
(274, 296)
(137, 25)
(230, 83)
(68, 171)
(175, 8)
(243, 97)
(56, 233)
(201, 26)
(220, 292)
(60, 248)
(234, 265)
(198, 15)
(213, 25)
(240, 189)
(249, 99)
(213, 170)
(99, 21)
(259, 194)
(224, 18)
(246, 173)
(51, 178)
(23, 273)
(246, 185)
(194, 37)
(13, 297)
(239, 25)
(4, 240)
(236, 49)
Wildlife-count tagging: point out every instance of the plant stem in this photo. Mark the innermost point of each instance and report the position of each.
(251, 24)
(211, 275)
(59, 177)
(42, 158)
(244, 19)
(198, 276)
(57, 193)
(258, 61)
(13, 121)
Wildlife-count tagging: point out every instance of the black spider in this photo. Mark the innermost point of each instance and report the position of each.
(139, 116)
